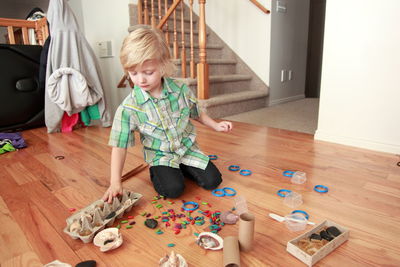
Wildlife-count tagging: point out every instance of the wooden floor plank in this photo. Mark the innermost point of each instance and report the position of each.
(11, 236)
(28, 259)
(36, 191)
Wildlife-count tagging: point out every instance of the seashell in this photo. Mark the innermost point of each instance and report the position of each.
(173, 260)
(108, 239)
(210, 240)
(75, 226)
(228, 217)
(57, 263)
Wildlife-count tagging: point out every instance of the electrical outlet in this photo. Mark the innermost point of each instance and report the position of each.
(283, 76)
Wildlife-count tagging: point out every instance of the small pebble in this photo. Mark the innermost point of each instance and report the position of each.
(130, 217)
(333, 231)
(128, 226)
(125, 221)
(132, 223)
(171, 245)
(151, 223)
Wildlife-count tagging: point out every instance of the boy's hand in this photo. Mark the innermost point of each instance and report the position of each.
(223, 126)
(113, 190)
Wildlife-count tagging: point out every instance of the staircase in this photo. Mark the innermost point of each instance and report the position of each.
(233, 87)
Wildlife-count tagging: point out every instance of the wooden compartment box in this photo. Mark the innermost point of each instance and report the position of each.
(325, 250)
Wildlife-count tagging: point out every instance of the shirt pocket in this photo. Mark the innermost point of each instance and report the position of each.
(150, 129)
(181, 119)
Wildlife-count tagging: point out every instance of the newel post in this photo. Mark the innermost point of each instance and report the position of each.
(202, 66)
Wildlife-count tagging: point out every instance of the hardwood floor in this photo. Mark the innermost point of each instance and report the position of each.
(37, 190)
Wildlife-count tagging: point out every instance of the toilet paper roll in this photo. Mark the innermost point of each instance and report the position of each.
(231, 252)
(246, 231)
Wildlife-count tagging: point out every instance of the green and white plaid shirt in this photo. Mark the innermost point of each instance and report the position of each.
(167, 135)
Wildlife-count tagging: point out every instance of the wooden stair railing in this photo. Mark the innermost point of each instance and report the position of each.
(179, 46)
(147, 15)
(40, 27)
(260, 6)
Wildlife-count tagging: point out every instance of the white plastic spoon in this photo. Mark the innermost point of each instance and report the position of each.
(282, 219)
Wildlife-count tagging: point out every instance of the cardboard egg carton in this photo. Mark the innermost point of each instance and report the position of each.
(85, 223)
(310, 260)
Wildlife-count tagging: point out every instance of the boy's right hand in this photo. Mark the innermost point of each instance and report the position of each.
(113, 190)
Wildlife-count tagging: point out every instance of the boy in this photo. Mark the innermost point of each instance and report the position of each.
(159, 108)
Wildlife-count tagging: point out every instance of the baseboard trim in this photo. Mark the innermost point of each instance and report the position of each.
(287, 99)
(355, 142)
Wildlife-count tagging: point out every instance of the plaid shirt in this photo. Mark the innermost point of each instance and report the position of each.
(167, 135)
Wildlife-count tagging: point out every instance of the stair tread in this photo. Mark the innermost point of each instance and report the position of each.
(209, 61)
(209, 46)
(233, 97)
(170, 30)
(220, 78)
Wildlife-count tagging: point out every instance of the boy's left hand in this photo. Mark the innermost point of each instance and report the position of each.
(223, 126)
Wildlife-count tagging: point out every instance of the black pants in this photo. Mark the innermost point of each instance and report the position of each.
(169, 181)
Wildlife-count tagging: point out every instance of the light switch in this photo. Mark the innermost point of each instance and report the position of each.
(104, 49)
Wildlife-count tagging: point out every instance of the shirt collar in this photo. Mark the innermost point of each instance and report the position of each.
(142, 96)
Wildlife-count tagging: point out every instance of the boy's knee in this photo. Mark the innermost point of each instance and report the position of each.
(173, 191)
(213, 182)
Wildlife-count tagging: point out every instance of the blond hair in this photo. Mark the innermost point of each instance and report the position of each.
(145, 43)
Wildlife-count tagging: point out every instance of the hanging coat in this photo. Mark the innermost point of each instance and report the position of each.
(72, 70)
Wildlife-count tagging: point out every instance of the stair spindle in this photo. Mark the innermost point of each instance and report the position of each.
(159, 11)
(140, 12)
(153, 15)
(146, 13)
(202, 66)
(183, 48)
(175, 43)
(192, 64)
(166, 23)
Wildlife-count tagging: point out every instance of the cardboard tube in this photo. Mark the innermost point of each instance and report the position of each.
(231, 252)
(246, 231)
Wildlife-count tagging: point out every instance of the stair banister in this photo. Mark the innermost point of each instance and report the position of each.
(169, 13)
(260, 6)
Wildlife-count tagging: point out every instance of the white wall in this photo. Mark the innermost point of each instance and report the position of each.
(289, 37)
(106, 20)
(360, 87)
(245, 28)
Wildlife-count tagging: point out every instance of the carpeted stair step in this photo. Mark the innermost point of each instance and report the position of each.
(223, 84)
(216, 66)
(230, 104)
